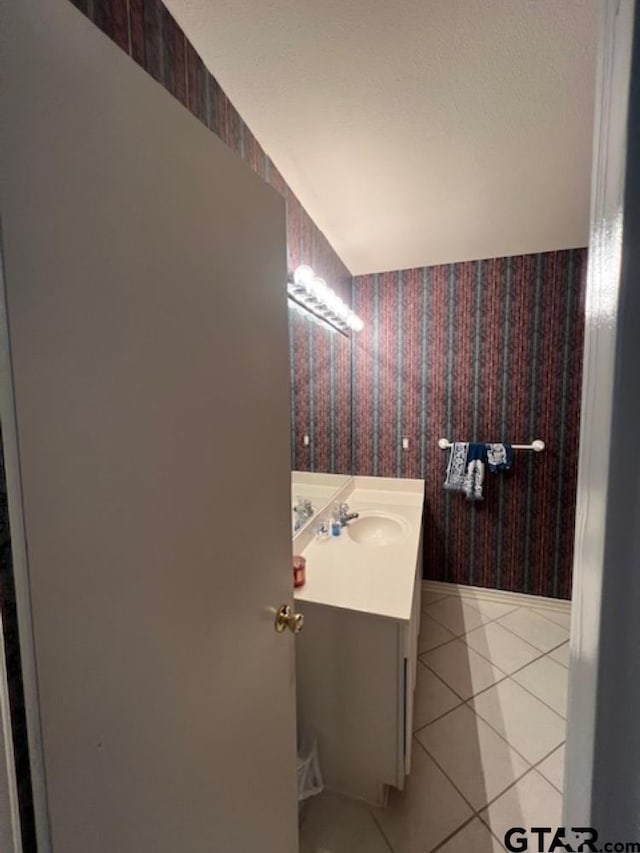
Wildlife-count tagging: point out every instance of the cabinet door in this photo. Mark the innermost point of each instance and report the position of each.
(348, 697)
(412, 660)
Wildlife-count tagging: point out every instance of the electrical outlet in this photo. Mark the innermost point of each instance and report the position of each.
(405, 443)
(305, 440)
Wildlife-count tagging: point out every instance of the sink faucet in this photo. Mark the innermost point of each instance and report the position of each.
(346, 516)
(304, 511)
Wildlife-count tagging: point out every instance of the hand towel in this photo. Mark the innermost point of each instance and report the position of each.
(457, 467)
(499, 457)
(474, 477)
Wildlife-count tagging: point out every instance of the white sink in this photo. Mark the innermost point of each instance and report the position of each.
(376, 528)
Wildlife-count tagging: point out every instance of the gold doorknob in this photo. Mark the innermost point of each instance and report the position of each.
(286, 618)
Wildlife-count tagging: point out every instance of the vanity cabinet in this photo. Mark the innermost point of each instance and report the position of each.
(356, 675)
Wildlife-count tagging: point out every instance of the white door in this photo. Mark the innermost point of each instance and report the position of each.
(145, 276)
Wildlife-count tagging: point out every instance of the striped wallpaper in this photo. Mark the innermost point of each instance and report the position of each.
(478, 351)
(321, 371)
(320, 397)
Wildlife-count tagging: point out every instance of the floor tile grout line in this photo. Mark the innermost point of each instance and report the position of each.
(517, 751)
(478, 812)
(541, 613)
(535, 660)
(535, 696)
(367, 809)
(435, 619)
(439, 624)
(433, 672)
(461, 701)
(491, 621)
(494, 684)
(461, 638)
(439, 717)
(486, 657)
(453, 834)
(501, 794)
(380, 829)
(490, 802)
(542, 760)
(565, 665)
(463, 826)
(438, 646)
(504, 676)
(481, 625)
(517, 781)
(515, 671)
(492, 662)
(530, 766)
(423, 605)
(444, 773)
(528, 607)
(552, 649)
(490, 829)
(508, 674)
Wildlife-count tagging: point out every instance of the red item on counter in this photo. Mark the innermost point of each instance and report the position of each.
(299, 571)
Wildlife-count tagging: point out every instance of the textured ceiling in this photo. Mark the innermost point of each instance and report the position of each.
(416, 132)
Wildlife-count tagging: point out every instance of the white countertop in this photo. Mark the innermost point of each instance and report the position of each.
(374, 579)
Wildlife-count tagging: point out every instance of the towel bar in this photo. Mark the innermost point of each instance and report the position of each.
(538, 445)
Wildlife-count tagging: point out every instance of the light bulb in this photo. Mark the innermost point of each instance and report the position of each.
(333, 300)
(356, 323)
(343, 311)
(303, 276)
(319, 289)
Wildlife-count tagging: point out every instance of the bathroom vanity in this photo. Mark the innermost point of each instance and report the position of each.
(357, 655)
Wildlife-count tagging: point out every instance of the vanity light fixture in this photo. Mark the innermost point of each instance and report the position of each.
(312, 293)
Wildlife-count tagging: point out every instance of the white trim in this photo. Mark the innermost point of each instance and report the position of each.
(500, 596)
(594, 510)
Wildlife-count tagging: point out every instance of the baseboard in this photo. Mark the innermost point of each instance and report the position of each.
(540, 602)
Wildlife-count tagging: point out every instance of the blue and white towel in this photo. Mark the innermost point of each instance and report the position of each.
(499, 457)
(457, 467)
(465, 471)
(466, 468)
(474, 478)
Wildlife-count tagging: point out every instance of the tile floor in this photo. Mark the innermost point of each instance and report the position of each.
(488, 745)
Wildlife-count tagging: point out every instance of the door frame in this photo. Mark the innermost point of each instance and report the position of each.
(23, 606)
(598, 790)
(8, 788)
